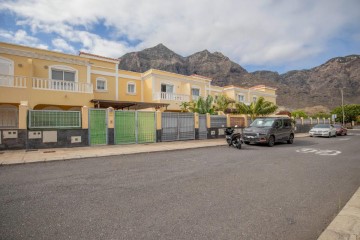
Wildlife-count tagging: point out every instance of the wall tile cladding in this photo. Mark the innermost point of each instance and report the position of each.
(63, 140)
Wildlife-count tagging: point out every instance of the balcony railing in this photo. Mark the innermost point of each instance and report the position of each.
(171, 96)
(60, 85)
(12, 81)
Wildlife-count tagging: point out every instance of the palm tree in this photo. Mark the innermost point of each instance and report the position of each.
(259, 108)
(202, 105)
(184, 106)
(223, 102)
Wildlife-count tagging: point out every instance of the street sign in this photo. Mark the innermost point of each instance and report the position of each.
(333, 117)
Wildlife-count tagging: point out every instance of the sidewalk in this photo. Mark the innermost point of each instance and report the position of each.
(53, 154)
(346, 225)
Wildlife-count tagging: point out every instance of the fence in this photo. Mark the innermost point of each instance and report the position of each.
(8, 118)
(54, 119)
(218, 121)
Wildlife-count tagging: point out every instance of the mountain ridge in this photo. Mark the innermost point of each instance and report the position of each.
(310, 87)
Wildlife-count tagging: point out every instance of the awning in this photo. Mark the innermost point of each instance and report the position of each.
(126, 104)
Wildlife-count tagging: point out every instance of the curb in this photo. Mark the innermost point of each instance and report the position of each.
(346, 225)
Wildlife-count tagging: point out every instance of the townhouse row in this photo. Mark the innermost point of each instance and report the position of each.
(48, 80)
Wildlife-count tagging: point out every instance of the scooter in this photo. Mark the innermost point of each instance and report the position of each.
(233, 139)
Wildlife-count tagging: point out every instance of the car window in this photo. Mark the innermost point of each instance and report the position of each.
(287, 123)
(262, 122)
(278, 123)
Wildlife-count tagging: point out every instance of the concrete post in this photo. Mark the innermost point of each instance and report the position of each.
(208, 123)
(311, 120)
(228, 120)
(329, 119)
(158, 125)
(324, 120)
(196, 120)
(302, 120)
(84, 117)
(318, 120)
(23, 110)
(111, 117)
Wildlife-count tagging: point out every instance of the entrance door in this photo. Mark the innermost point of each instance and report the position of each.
(97, 126)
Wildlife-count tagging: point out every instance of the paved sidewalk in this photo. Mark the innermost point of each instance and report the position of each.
(53, 154)
(346, 225)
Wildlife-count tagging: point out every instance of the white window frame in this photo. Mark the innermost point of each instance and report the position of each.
(254, 97)
(243, 96)
(106, 85)
(127, 88)
(170, 84)
(197, 88)
(63, 68)
(11, 65)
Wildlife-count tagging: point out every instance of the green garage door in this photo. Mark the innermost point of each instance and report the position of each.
(125, 131)
(134, 127)
(97, 126)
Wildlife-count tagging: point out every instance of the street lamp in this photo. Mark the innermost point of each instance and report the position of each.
(342, 104)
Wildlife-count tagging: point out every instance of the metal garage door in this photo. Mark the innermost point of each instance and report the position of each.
(202, 126)
(134, 127)
(177, 126)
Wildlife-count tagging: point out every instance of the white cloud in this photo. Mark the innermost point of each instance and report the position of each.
(21, 37)
(61, 45)
(248, 31)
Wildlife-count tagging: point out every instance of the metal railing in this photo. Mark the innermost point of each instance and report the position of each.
(12, 81)
(54, 119)
(171, 96)
(60, 85)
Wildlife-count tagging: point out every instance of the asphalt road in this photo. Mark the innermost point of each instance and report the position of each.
(284, 192)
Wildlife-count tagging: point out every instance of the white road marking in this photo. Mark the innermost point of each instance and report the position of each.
(344, 139)
(319, 151)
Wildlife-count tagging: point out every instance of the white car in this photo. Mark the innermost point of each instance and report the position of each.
(323, 130)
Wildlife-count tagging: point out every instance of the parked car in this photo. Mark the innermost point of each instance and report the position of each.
(340, 130)
(323, 130)
(270, 130)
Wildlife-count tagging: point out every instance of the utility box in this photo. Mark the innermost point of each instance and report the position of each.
(49, 136)
(10, 134)
(75, 139)
(34, 134)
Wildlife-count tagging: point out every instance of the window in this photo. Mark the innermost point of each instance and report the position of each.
(131, 88)
(6, 66)
(241, 98)
(195, 92)
(57, 74)
(167, 88)
(101, 84)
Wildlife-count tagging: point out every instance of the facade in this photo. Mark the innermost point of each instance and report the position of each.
(47, 80)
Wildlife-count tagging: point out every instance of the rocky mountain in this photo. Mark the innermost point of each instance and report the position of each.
(296, 89)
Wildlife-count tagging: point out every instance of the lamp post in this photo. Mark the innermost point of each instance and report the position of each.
(342, 105)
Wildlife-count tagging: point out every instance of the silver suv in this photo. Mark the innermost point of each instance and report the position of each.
(269, 130)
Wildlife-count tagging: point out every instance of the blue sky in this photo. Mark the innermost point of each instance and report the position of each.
(275, 35)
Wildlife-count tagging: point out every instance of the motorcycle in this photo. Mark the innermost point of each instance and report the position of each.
(233, 139)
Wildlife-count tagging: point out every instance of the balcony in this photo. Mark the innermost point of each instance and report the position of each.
(171, 97)
(12, 81)
(60, 85)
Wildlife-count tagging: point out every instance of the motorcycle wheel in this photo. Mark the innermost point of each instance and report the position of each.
(236, 143)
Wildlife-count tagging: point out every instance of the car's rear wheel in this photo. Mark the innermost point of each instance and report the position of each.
(271, 141)
(291, 139)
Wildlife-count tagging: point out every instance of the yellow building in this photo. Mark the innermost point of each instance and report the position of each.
(43, 79)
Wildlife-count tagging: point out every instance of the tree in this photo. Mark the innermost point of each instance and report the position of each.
(202, 105)
(223, 102)
(351, 111)
(259, 108)
(184, 106)
(299, 113)
(321, 115)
